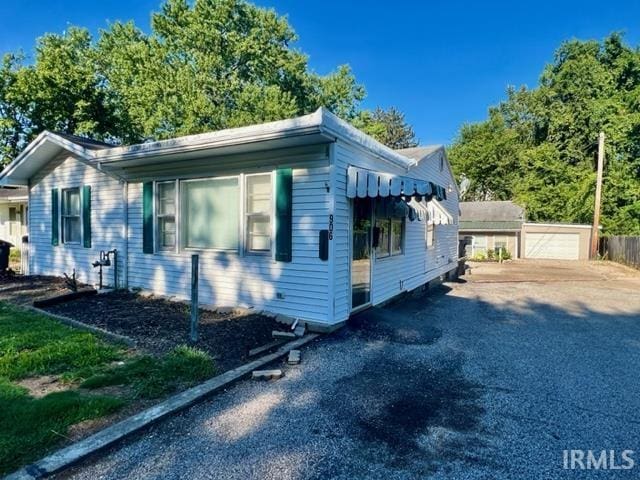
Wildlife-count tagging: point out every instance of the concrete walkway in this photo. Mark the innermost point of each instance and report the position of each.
(492, 378)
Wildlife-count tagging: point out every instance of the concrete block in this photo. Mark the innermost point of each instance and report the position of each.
(300, 330)
(286, 319)
(294, 357)
(285, 335)
(266, 374)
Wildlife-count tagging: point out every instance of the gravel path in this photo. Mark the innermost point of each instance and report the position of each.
(485, 379)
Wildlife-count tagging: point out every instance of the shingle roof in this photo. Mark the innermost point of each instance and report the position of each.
(498, 215)
(491, 211)
(418, 153)
(495, 226)
(85, 142)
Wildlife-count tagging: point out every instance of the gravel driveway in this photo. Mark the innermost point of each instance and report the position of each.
(492, 378)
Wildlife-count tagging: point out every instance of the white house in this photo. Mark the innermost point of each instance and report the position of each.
(13, 215)
(307, 217)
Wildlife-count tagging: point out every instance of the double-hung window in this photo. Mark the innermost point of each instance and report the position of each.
(258, 206)
(166, 215)
(71, 226)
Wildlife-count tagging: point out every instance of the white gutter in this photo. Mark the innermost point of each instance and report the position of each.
(320, 122)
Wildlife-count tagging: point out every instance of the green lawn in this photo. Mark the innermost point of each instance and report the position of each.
(32, 345)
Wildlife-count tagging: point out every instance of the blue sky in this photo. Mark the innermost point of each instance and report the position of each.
(442, 63)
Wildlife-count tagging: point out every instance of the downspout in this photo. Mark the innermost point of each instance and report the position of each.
(29, 223)
(125, 234)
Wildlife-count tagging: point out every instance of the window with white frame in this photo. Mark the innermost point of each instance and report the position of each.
(431, 234)
(390, 236)
(258, 206)
(382, 229)
(479, 244)
(397, 235)
(209, 213)
(166, 215)
(71, 223)
(500, 243)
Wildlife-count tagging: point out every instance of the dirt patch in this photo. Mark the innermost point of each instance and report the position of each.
(40, 386)
(407, 412)
(23, 290)
(158, 325)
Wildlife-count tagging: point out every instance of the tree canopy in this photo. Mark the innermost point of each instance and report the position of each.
(205, 65)
(387, 126)
(539, 146)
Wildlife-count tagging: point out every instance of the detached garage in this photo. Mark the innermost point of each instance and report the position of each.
(556, 241)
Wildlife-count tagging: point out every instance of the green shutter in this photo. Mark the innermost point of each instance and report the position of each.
(147, 217)
(86, 216)
(55, 217)
(284, 200)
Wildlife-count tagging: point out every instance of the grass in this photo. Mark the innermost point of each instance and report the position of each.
(32, 345)
(149, 377)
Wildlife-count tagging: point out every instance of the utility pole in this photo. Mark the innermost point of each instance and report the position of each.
(596, 210)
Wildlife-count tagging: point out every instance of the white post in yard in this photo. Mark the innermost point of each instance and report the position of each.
(194, 297)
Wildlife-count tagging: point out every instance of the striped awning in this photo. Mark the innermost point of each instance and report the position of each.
(363, 183)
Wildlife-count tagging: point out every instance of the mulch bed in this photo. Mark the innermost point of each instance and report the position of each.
(158, 325)
(23, 290)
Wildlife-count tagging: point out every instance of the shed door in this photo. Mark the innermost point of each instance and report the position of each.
(559, 246)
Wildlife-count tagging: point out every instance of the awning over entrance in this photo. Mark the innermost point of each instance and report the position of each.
(362, 183)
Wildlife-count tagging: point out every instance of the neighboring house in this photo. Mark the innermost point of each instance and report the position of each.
(491, 226)
(501, 224)
(13, 215)
(307, 217)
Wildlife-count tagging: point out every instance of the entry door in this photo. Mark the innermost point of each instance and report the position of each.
(361, 252)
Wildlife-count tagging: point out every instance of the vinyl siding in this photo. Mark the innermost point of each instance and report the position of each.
(106, 221)
(417, 265)
(229, 279)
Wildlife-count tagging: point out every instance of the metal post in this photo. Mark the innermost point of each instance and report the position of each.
(194, 297)
(596, 211)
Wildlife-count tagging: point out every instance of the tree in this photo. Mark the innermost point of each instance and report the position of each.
(208, 65)
(539, 145)
(205, 65)
(387, 126)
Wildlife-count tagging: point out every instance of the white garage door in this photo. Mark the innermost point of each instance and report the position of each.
(562, 246)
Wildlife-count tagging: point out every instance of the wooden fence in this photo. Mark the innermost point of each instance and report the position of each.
(622, 250)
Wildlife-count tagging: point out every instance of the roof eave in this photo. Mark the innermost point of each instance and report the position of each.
(11, 175)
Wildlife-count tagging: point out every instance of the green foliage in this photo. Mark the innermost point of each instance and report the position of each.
(538, 147)
(32, 344)
(151, 378)
(387, 126)
(205, 65)
(29, 426)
